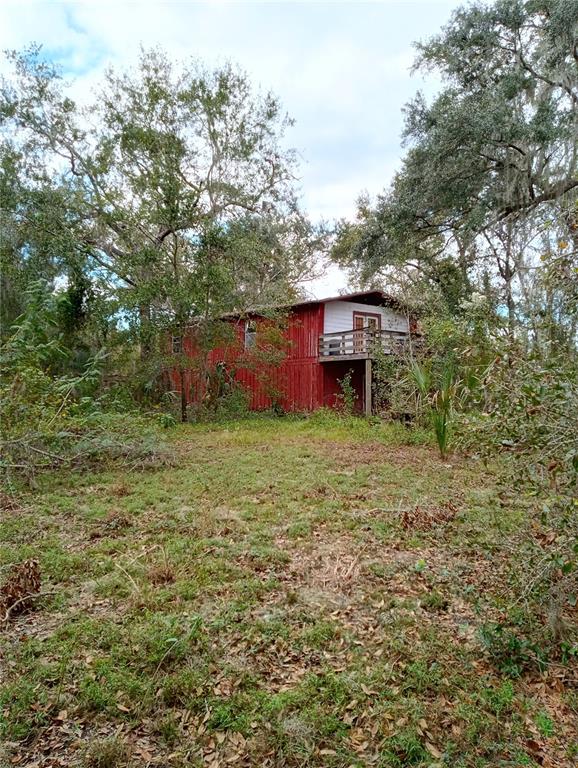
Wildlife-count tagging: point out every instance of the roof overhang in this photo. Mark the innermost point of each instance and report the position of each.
(372, 298)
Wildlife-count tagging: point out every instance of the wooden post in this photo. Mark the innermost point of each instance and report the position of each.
(368, 407)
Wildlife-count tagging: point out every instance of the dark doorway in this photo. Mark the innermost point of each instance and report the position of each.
(334, 372)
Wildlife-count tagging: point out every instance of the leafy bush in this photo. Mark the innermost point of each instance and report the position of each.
(528, 412)
(394, 389)
(224, 399)
(347, 396)
(525, 422)
(51, 418)
(518, 411)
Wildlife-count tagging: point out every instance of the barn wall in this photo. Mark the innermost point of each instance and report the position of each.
(339, 316)
(300, 372)
(299, 377)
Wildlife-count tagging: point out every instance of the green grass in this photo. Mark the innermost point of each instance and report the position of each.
(261, 601)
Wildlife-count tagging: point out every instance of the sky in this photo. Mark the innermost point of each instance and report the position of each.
(340, 69)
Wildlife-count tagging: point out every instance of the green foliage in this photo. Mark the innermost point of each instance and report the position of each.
(394, 391)
(348, 395)
(511, 653)
(421, 377)
(501, 112)
(265, 357)
(173, 205)
(405, 748)
(517, 409)
(529, 413)
(433, 398)
(440, 422)
(165, 420)
(485, 201)
(545, 725)
(50, 418)
(232, 403)
(442, 407)
(33, 389)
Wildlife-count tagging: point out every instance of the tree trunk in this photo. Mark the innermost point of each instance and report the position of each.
(144, 313)
(183, 396)
(508, 275)
(510, 301)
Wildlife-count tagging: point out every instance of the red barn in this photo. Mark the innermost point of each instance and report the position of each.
(322, 340)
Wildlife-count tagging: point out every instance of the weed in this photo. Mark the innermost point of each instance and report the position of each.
(499, 698)
(320, 634)
(234, 715)
(348, 395)
(420, 565)
(440, 423)
(299, 529)
(20, 714)
(421, 676)
(405, 748)
(511, 653)
(544, 724)
(107, 753)
(169, 729)
(434, 601)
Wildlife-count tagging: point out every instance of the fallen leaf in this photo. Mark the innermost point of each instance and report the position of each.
(433, 750)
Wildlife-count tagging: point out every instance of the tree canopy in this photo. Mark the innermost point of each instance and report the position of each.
(171, 192)
(492, 156)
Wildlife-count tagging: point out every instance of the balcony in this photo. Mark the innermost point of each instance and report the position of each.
(360, 344)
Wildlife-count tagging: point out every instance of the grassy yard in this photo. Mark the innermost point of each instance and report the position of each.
(288, 592)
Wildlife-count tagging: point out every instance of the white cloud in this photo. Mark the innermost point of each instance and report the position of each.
(340, 69)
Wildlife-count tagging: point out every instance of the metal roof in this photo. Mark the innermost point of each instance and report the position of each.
(379, 297)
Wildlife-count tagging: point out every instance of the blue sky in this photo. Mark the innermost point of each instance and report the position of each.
(342, 71)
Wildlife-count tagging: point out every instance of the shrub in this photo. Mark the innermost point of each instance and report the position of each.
(348, 396)
(527, 416)
(51, 418)
(230, 402)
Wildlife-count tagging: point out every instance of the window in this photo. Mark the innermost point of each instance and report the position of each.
(369, 320)
(250, 334)
(373, 323)
(362, 323)
(177, 345)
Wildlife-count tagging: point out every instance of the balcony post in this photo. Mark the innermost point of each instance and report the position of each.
(368, 375)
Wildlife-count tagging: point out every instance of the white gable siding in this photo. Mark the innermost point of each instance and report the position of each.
(339, 316)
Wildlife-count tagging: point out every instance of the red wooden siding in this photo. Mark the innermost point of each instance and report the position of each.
(299, 378)
(303, 385)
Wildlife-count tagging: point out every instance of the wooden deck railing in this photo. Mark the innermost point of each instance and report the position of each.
(362, 342)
